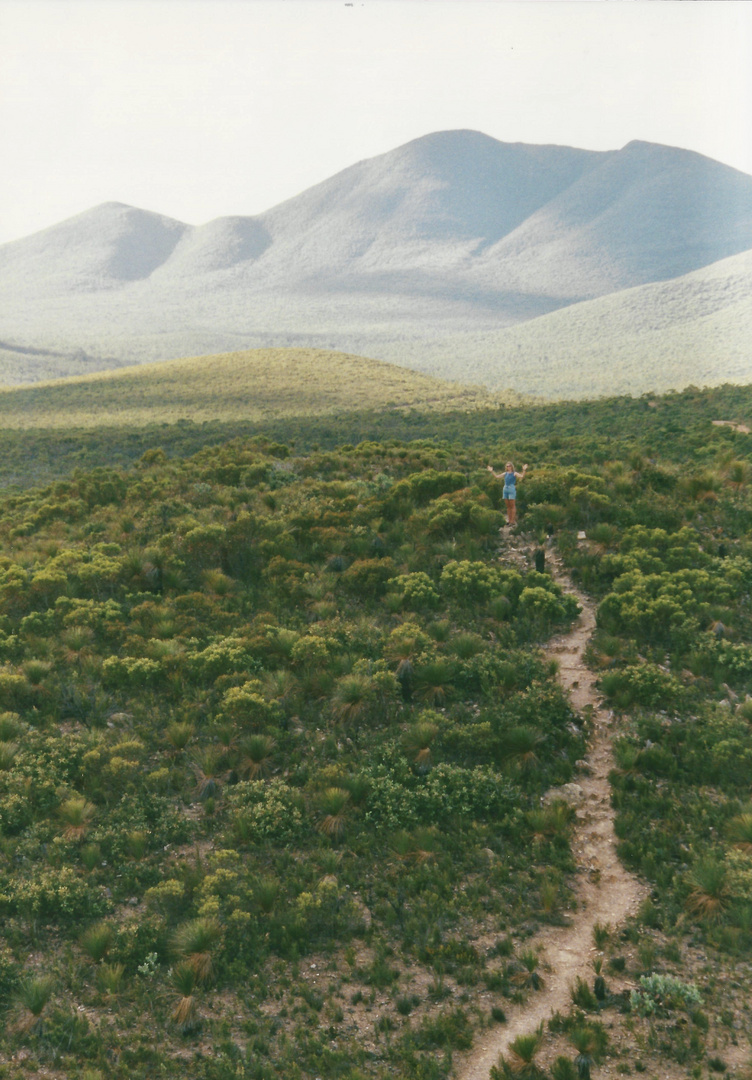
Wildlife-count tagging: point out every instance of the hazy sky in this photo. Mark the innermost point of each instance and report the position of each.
(202, 108)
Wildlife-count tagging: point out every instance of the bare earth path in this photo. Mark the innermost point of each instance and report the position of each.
(606, 892)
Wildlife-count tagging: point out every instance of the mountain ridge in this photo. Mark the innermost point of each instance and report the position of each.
(449, 234)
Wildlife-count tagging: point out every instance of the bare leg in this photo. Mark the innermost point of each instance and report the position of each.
(509, 503)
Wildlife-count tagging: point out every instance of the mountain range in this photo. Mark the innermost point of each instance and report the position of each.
(543, 268)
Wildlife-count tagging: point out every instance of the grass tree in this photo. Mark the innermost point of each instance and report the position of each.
(179, 734)
(254, 753)
(708, 897)
(550, 822)
(109, 979)
(266, 893)
(353, 697)
(194, 942)
(8, 754)
(739, 831)
(519, 1062)
(529, 977)
(281, 686)
(75, 815)
(418, 846)
(209, 770)
(434, 681)
(521, 748)
(333, 804)
(11, 726)
(185, 1010)
(590, 1041)
(418, 740)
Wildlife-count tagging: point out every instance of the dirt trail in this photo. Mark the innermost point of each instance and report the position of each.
(606, 893)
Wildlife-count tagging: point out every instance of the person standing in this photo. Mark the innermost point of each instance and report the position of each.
(510, 478)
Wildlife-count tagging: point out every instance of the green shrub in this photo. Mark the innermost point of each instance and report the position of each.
(660, 994)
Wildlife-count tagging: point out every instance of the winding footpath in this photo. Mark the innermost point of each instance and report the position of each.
(606, 893)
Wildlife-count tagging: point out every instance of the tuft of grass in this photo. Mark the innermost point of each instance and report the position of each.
(33, 996)
(97, 941)
(109, 979)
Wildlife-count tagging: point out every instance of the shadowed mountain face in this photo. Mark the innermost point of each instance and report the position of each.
(452, 233)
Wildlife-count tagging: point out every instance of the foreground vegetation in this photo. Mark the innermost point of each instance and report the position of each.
(275, 730)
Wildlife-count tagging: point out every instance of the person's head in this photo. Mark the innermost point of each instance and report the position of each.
(509, 467)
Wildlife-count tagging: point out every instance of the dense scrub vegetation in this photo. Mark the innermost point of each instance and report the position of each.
(259, 709)
(274, 732)
(675, 427)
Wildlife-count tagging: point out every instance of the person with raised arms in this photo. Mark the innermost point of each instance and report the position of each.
(510, 478)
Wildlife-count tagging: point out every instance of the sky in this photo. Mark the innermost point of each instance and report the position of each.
(198, 109)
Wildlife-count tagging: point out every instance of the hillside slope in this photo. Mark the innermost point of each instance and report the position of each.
(254, 385)
(451, 234)
(694, 330)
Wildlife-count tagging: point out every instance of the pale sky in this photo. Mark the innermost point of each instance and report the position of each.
(203, 108)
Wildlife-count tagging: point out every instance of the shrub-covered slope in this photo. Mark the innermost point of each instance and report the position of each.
(274, 732)
(267, 716)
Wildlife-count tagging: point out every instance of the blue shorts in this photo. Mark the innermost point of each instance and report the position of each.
(510, 493)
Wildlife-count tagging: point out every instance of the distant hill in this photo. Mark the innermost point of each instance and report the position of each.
(257, 385)
(692, 330)
(450, 238)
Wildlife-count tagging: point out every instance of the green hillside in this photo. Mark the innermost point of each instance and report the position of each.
(256, 385)
(275, 727)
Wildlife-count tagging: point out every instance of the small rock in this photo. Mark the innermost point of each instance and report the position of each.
(572, 794)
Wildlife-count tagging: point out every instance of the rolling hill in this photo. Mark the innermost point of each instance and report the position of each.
(450, 240)
(692, 330)
(262, 384)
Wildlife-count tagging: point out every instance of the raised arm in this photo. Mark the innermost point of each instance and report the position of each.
(521, 475)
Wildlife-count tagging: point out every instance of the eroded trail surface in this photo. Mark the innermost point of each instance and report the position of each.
(606, 893)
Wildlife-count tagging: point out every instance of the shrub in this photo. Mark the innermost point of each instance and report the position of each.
(325, 913)
(416, 591)
(271, 813)
(368, 577)
(469, 582)
(660, 994)
(60, 895)
(449, 1029)
(647, 685)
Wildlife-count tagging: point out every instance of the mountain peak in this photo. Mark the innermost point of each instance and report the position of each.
(453, 232)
